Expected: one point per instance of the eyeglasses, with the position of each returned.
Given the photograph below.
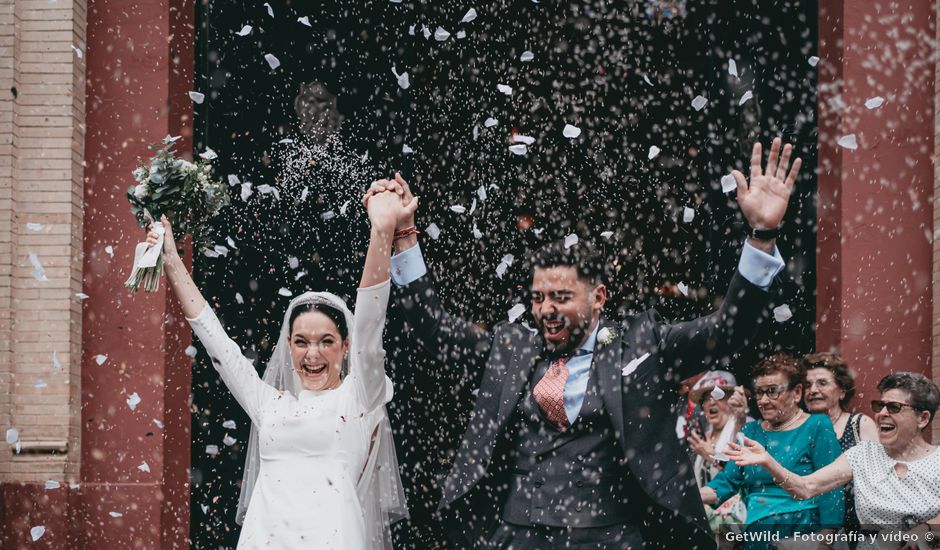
(893, 407)
(772, 392)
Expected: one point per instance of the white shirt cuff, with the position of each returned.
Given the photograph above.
(758, 267)
(408, 266)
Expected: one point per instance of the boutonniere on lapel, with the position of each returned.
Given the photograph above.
(606, 337)
(632, 365)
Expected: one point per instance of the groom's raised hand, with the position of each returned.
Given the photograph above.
(764, 200)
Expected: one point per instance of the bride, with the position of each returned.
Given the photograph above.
(321, 470)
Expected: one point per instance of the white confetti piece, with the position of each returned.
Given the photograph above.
(504, 89)
(515, 312)
(158, 423)
(293, 262)
(490, 122)
(233, 180)
(745, 98)
(481, 192)
(607, 234)
(270, 9)
(144, 467)
(328, 215)
(683, 288)
(519, 149)
(238, 298)
(34, 226)
(571, 240)
(343, 208)
(229, 440)
(728, 183)
(81, 296)
(230, 242)
(848, 141)
(284, 292)
(874, 102)
(246, 190)
(477, 234)
(229, 424)
(458, 208)
(133, 401)
(205, 509)
(406, 150)
(305, 20)
(433, 231)
(813, 61)
(37, 532)
(13, 435)
(303, 194)
(273, 61)
(717, 393)
(470, 16)
(197, 97)
(55, 360)
(526, 56)
(116, 514)
(654, 152)
(699, 103)
(570, 131)
(246, 30)
(404, 81)
(100, 359)
(78, 51)
(190, 351)
(109, 250)
(519, 138)
(52, 484)
(209, 154)
(441, 34)
(732, 67)
(461, 34)
(40, 383)
(473, 207)
(212, 450)
(782, 313)
(39, 273)
(647, 80)
(501, 270)
(688, 214)
(426, 32)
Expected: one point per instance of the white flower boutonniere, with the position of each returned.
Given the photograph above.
(606, 336)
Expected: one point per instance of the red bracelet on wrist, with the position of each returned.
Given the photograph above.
(405, 233)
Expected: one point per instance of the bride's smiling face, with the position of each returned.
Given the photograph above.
(317, 350)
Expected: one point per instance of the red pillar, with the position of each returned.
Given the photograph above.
(139, 68)
(874, 254)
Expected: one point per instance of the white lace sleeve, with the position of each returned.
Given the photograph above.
(236, 371)
(367, 356)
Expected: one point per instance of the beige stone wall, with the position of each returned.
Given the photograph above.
(42, 47)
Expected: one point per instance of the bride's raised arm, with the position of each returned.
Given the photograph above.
(236, 371)
(367, 360)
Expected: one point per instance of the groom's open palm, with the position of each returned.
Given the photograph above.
(764, 201)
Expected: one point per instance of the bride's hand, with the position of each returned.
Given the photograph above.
(169, 243)
(386, 208)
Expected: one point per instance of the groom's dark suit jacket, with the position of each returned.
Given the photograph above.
(640, 405)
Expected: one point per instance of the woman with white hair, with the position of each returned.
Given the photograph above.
(321, 470)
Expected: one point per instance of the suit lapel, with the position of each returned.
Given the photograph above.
(518, 372)
(607, 363)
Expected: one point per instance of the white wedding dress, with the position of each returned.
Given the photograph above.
(313, 447)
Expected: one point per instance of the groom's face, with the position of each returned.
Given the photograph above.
(564, 306)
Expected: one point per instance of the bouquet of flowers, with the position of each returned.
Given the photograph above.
(183, 191)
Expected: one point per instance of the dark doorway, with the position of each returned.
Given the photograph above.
(624, 73)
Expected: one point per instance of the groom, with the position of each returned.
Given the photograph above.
(571, 441)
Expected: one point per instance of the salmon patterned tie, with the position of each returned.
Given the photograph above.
(549, 393)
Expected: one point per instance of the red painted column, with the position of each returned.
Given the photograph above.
(139, 68)
(874, 242)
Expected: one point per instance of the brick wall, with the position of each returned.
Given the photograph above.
(41, 173)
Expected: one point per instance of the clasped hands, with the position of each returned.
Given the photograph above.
(390, 204)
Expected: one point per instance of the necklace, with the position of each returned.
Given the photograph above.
(785, 425)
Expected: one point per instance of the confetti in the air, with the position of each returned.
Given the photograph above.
(246, 30)
(688, 214)
(34, 226)
(433, 231)
(100, 359)
(874, 102)
(570, 131)
(503, 88)
(470, 16)
(717, 393)
(39, 273)
(732, 67)
(526, 56)
(144, 467)
(683, 288)
(305, 20)
(269, 8)
(228, 440)
(273, 61)
(699, 103)
(848, 142)
(490, 122)
(37, 532)
(571, 240)
(229, 424)
(518, 149)
(133, 400)
(197, 97)
(515, 312)
(782, 313)
(653, 153)
(441, 34)
(728, 183)
(744, 98)
(813, 60)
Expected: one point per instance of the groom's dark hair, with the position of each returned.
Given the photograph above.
(582, 255)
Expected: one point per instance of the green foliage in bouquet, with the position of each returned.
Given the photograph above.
(184, 192)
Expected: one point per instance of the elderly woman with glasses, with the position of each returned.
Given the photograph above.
(802, 442)
(897, 479)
